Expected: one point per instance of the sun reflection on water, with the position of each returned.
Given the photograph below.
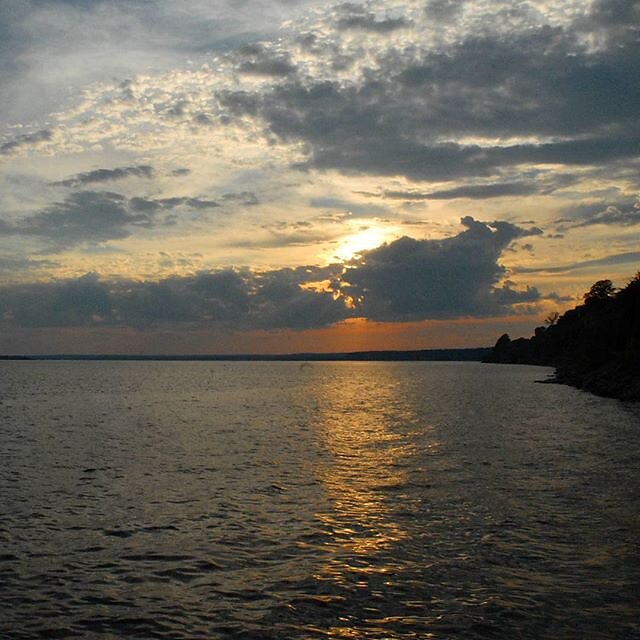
(369, 445)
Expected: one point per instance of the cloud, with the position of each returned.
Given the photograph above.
(285, 234)
(236, 299)
(246, 198)
(260, 61)
(523, 89)
(444, 10)
(143, 204)
(347, 130)
(500, 86)
(105, 175)
(625, 213)
(17, 265)
(357, 209)
(473, 100)
(282, 303)
(49, 49)
(608, 261)
(87, 215)
(544, 184)
(614, 215)
(227, 293)
(610, 19)
(99, 216)
(416, 279)
(26, 140)
(355, 16)
(80, 302)
(475, 192)
(404, 280)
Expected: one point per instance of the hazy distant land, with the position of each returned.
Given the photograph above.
(432, 355)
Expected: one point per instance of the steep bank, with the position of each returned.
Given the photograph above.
(595, 346)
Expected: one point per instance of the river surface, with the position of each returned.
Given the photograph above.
(326, 500)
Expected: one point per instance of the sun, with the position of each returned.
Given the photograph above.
(351, 245)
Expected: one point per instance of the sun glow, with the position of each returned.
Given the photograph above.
(364, 240)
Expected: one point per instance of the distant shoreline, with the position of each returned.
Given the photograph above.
(426, 355)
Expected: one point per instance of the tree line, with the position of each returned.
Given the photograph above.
(595, 346)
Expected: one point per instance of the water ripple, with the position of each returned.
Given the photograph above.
(371, 500)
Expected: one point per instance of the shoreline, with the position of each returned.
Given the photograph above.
(473, 354)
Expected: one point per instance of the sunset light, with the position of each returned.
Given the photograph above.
(353, 245)
(320, 319)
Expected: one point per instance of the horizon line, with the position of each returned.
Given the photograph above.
(444, 354)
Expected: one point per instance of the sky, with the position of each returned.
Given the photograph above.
(225, 176)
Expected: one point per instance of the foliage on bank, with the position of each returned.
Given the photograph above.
(595, 346)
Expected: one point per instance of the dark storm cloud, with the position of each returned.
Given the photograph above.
(227, 293)
(87, 215)
(411, 110)
(99, 216)
(345, 130)
(69, 303)
(401, 281)
(415, 279)
(282, 304)
(26, 140)
(237, 299)
(105, 175)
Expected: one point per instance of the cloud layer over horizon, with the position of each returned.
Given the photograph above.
(405, 280)
(254, 144)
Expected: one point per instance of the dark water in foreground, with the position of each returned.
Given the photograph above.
(347, 500)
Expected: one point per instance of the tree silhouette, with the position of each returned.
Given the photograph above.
(552, 318)
(595, 346)
(600, 290)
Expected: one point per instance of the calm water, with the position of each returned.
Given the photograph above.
(347, 500)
